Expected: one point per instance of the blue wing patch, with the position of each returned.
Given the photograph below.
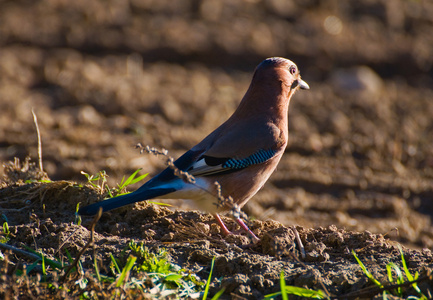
(254, 159)
(208, 165)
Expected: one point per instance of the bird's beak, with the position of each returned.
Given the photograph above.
(303, 85)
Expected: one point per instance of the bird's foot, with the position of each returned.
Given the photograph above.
(243, 226)
(250, 234)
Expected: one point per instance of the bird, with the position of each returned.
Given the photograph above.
(240, 154)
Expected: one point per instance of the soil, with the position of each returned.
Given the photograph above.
(103, 76)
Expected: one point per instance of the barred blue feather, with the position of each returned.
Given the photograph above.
(257, 158)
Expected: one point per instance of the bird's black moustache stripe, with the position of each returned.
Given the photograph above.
(294, 84)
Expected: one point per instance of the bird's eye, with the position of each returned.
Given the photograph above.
(292, 70)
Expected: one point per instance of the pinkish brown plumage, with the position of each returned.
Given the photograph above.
(241, 154)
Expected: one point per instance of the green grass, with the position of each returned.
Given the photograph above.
(6, 234)
(165, 276)
(397, 278)
(129, 181)
(206, 289)
(135, 270)
(286, 290)
(99, 181)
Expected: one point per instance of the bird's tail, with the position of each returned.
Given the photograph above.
(109, 204)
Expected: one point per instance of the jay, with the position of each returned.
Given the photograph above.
(240, 154)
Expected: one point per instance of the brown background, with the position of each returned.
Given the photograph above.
(104, 75)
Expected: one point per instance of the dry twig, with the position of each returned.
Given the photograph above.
(35, 120)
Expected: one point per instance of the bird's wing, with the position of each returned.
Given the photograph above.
(237, 148)
(208, 165)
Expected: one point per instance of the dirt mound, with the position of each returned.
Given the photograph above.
(43, 218)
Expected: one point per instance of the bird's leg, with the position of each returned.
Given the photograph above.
(249, 232)
(241, 223)
(223, 226)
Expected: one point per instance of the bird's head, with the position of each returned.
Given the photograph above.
(274, 82)
(278, 69)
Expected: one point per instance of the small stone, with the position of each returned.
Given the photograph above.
(168, 237)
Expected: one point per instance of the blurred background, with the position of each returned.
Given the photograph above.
(102, 76)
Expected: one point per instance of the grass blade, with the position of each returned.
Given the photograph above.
(140, 178)
(206, 290)
(130, 178)
(125, 272)
(173, 277)
(113, 260)
(366, 272)
(271, 296)
(159, 203)
(283, 286)
(44, 269)
(392, 266)
(95, 262)
(303, 292)
(408, 275)
(32, 266)
(298, 291)
(218, 294)
(51, 263)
